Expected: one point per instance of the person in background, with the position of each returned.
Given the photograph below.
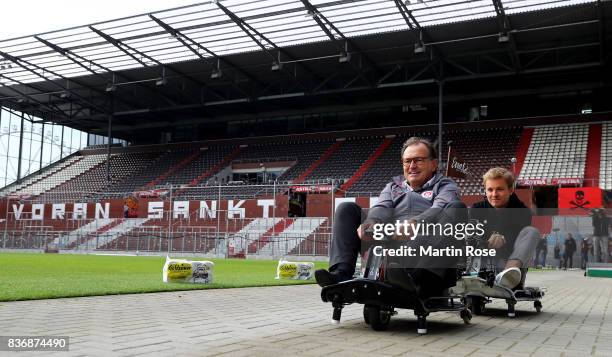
(584, 253)
(558, 254)
(569, 250)
(541, 249)
(601, 234)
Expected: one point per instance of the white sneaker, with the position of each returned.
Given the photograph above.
(508, 278)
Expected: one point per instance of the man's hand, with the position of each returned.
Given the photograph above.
(365, 231)
(496, 241)
(408, 234)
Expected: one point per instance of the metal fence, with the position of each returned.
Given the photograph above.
(227, 232)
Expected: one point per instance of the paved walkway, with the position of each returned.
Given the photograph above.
(292, 320)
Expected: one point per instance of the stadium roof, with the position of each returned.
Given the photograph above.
(209, 30)
(189, 59)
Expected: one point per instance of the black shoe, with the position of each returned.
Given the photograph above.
(399, 277)
(325, 278)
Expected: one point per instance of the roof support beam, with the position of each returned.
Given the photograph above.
(192, 45)
(22, 63)
(421, 40)
(324, 23)
(412, 23)
(68, 54)
(602, 33)
(80, 60)
(251, 32)
(506, 34)
(497, 63)
(53, 108)
(120, 45)
(457, 65)
(124, 48)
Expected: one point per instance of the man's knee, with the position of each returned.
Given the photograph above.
(348, 208)
(454, 212)
(456, 204)
(531, 233)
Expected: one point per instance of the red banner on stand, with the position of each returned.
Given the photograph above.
(579, 200)
(531, 182)
(566, 181)
(313, 188)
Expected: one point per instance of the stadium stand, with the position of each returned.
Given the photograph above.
(106, 235)
(550, 151)
(467, 143)
(365, 166)
(279, 227)
(64, 174)
(47, 171)
(306, 155)
(153, 173)
(553, 152)
(593, 156)
(248, 237)
(84, 233)
(556, 151)
(382, 170)
(94, 181)
(346, 159)
(523, 148)
(294, 233)
(304, 152)
(605, 176)
(483, 149)
(209, 162)
(317, 243)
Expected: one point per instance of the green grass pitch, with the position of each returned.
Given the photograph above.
(45, 276)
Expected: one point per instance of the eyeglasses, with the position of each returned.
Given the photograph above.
(416, 160)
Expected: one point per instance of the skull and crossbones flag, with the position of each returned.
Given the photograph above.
(579, 200)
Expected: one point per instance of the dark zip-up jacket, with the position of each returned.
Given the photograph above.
(508, 221)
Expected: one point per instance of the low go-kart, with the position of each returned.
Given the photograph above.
(477, 286)
(380, 298)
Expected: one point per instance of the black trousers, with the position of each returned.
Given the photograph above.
(569, 258)
(346, 245)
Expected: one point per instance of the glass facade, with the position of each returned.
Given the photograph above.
(41, 144)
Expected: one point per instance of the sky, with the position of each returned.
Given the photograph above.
(29, 17)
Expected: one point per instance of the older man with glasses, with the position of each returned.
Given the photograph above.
(421, 195)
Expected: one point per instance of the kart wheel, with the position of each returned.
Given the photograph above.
(479, 306)
(366, 316)
(378, 320)
(466, 315)
(475, 304)
(511, 310)
(538, 305)
(421, 325)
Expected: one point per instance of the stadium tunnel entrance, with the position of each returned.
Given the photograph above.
(546, 199)
(297, 204)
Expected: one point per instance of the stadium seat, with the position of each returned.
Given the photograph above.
(556, 151)
(605, 172)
